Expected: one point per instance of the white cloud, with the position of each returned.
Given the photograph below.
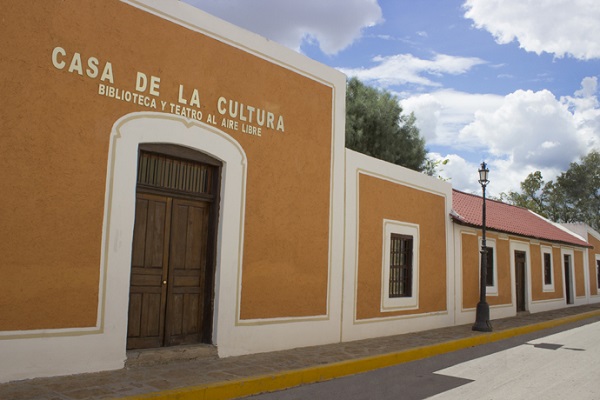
(559, 27)
(402, 69)
(525, 121)
(586, 111)
(520, 133)
(503, 176)
(442, 114)
(333, 24)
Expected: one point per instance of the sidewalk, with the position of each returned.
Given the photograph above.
(208, 377)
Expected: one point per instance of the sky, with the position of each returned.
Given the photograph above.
(513, 83)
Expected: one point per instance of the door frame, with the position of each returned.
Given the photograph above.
(517, 278)
(193, 155)
(570, 295)
(205, 285)
(149, 127)
(523, 247)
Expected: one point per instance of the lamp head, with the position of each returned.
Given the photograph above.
(483, 174)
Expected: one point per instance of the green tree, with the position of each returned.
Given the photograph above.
(532, 195)
(581, 186)
(573, 197)
(375, 126)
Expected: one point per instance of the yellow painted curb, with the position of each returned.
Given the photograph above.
(283, 380)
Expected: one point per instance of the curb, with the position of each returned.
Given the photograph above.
(287, 379)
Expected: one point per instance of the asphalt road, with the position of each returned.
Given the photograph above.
(560, 363)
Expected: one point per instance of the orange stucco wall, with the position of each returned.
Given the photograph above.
(579, 274)
(504, 283)
(380, 199)
(537, 273)
(54, 144)
(593, 263)
(471, 265)
(470, 269)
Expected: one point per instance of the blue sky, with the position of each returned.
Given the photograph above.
(511, 82)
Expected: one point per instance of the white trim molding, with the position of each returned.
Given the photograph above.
(597, 277)
(399, 303)
(353, 329)
(524, 247)
(547, 287)
(571, 254)
(491, 243)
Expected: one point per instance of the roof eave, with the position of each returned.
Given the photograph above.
(478, 226)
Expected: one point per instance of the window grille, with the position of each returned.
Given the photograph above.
(401, 256)
(547, 269)
(489, 272)
(163, 172)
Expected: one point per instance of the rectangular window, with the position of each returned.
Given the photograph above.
(547, 269)
(399, 266)
(401, 256)
(489, 271)
(598, 272)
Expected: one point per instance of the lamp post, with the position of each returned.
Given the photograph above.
(482, 318)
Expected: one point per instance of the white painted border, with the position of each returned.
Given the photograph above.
(586, 277)
(461, 316)
(231, 335)
(75, 353)
(400, 303)
(199, 21)
(515, 245)
(597, 269)
(258, 335)
(131, 131)
(490, 290)
(543, 250)
(353, 329)
(568, 252)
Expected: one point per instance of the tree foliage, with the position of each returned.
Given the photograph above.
(375, 126)
(573, 197)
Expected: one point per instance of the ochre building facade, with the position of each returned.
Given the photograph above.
(170, 179)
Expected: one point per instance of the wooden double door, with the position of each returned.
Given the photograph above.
(171, 276)
(172, 264)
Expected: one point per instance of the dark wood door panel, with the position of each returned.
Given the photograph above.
(187, 270)
(172, 263)
(149, 271)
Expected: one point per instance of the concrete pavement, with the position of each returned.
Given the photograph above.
(197, 373)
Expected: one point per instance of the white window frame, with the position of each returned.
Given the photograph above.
(597, 267)
(399, 303)
(490, 290)
(545, 287)
(571, 253)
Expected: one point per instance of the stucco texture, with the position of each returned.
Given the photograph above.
(471, 266)
(381, 199)
(537, 274)
(54, 147)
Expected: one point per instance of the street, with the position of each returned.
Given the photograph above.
(562, 364)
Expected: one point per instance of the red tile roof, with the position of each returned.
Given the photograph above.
(505, 218)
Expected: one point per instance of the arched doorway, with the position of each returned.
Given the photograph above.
(171, 298)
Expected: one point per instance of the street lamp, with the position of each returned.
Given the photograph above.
(482, 318)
